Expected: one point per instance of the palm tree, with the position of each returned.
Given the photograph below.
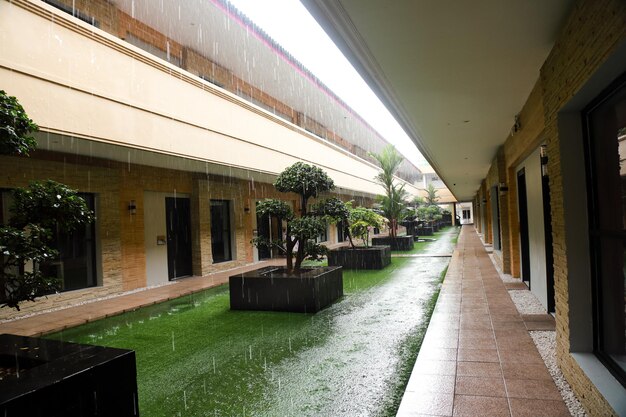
(431, 197)
(392, 203)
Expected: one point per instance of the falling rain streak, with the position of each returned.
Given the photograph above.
(342, 361)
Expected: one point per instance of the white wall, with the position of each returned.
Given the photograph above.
(536, 231)
(459, 212)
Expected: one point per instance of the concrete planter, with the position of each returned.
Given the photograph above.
(373, 257)
(308, 290)
(397, 243)
(425, 231)
(52, 378)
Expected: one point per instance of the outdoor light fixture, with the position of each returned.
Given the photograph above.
(544, 160)
(503, 188)
(132, 207)
(517, 125)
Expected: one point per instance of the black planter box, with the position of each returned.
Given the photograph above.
(373, 257)
(425, 231)
(397, 243)
(59, 379)
(273, 289)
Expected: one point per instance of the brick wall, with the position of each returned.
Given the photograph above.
(121, 234)
(590, 34)
(105, 184)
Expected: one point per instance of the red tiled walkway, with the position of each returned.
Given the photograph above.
(477, 358)
(45, 323)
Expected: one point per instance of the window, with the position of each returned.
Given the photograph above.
(75, 266)
(74, 12)
(154, 50)
(220, 231)
(605, 131)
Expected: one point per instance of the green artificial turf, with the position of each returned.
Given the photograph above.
(196, 357)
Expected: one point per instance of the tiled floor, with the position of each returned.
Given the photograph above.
(477, 358)
(61, 319)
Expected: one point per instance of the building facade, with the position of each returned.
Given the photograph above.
(170, 149)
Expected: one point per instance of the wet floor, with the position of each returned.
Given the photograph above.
(195, 357)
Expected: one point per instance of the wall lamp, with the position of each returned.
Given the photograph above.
(503, 188)
(544, 160)
(132, 207)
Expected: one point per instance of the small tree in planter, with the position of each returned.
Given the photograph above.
(38, 213)
(307, 181)
(392, 204)
(362, 221)
(295, 289)
(429, 214)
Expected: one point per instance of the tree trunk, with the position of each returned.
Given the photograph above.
(300, 255)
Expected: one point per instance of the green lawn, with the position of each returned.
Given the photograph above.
(195, 357)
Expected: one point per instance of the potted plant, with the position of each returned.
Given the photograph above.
(360, 222)
(294, 287)
(392, 204)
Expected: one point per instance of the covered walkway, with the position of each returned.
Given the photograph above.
(478, 358)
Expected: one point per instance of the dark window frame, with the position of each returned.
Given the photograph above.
(596, 232)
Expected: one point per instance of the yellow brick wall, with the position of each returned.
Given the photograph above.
(590, 34)
(121, 235)
(105, 184)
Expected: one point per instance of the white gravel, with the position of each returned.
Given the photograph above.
(546, 345)
(526, 302)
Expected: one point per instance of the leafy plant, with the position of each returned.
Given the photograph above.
(362, 221)
(393, 203)
(15, 127)
(307, 181)
(429, 213)
(39, 212)
(431, 195)
(27, 243)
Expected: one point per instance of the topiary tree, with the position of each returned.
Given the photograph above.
(307, 181)
(393, 203)
(38, 213)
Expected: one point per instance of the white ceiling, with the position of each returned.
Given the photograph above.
(454, 73)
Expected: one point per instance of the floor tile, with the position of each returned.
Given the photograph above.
(432, 404)
(434, 367)
(538, 408)
(539, 389)
(480, 369)
(525, 371)
(483, 386)
(431, 383)
(475, 406)
(478, 355)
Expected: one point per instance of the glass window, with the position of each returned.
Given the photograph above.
(606, 145)
(75, 267)
(220, 231)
